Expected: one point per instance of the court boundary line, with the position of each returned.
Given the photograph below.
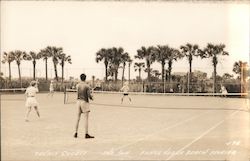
(202, 135)
(164, 129)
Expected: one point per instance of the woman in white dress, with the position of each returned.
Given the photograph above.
(223, 91)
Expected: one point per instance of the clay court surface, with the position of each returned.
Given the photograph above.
(149, 128)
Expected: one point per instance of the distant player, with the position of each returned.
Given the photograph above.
(51, 88)
(83, 96)
(223, 91)
(125, 90)
(31, 99)
(179, 88)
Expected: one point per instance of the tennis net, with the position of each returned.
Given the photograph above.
(12, 90)
(12, 94)
(70, 95)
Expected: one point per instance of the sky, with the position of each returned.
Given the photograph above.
(84, 27)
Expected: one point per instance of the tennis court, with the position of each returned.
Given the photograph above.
(148, 128)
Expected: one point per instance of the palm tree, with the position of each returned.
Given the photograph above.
(34, 57)
(64, 59)
(237, 68)
(9, 58)
(129, 65)
(190, 51)
(116, 59)
(18, 57)
(173, 55)
(162, 57)
(45, 55)
(54, 52)
(213, 51)
(139, 67)
(105, 55)
(124, 58)
(149, 55)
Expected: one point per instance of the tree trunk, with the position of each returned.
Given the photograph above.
(169, 71)
(190, 67)
(55, 68)
(169, 75)
(129, 72)
(123, 69)
(215, 62)
(148, 67)
(115, 75)
(116, 72)
(162, 71)
(139, 74)
(46, 69)
(106, 72)
(93, 82)
(62, 73)
(9, 72)
(19, 73)
(34, 70)
(214, 86)
(190, 75)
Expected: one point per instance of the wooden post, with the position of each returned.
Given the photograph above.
(93, 81)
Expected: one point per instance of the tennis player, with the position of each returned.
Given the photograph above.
(223, 91)
(125, 90)
(83, 96)
(31, 99)
(51, 88)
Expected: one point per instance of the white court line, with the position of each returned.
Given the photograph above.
(170, 127)
(199, 137)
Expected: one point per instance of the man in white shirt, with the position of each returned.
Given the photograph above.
(31, 99)
(125, 90)
(51, 89)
